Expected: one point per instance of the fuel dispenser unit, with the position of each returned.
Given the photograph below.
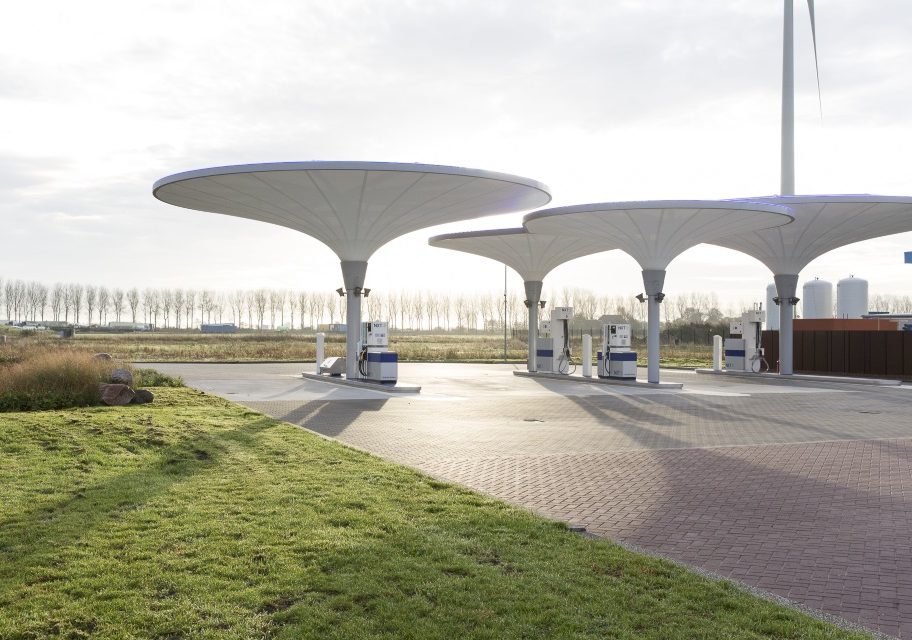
(745, 353)
(376, 363)
(616, 360)
(553, 353)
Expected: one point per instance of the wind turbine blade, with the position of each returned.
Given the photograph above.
(816, 64)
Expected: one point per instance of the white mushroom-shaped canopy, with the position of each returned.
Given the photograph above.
(353, 207)
(655, 232)
(531, 255)
(822, 223)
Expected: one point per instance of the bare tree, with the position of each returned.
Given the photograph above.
(133, 302)
(204, 304)
(117, 299)
(104, 303)
(178, 307)
(392, 306)
(417, 309)
(56, 301)
(447, 309)
(249, 303)
(237, 300)
(166, 296)
(91, 299)
(76, 294)
(274, 301)
(189, 306)
(303, 305)
(260, 302)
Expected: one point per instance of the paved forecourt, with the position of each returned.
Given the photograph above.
(797, 488)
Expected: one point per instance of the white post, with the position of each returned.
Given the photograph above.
(321, 351)
(587, 355)
(717, 353)
(787, 187)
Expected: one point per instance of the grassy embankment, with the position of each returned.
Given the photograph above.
(299, 346)
(193, 517)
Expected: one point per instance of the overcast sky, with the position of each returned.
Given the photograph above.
(601, 100)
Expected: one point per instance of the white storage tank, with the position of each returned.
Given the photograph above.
(772, 309)
(817, 299)
(851, 297)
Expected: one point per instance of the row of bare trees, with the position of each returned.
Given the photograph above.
(404, 309)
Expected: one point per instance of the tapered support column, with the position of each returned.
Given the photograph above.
(353, 274)
(786, 285)
(533, 298)
(787, 187)
(653, 280)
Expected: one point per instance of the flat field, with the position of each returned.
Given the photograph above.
(296, 346)
(196, 518)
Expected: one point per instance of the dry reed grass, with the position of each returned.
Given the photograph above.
(45, 378)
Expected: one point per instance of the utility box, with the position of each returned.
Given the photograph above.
(333, 366)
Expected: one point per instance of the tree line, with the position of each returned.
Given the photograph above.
(182, 308)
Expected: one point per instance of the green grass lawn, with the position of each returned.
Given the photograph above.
(195, 518)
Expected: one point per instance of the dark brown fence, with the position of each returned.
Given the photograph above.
(866, 353)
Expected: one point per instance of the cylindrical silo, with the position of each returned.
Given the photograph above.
(772, 309)
(817, 299)
(851, 297)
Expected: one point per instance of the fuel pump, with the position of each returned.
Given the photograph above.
(553, 353)
(376, 363)
(745, 353)
(616, 360)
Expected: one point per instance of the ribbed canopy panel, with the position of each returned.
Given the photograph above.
(655, 232)
(822, 223)
(352, 207)
(531, 255)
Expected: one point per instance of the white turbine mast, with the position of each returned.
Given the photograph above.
(787, 187)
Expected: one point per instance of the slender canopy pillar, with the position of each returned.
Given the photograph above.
(353, 274)
(533, 298)
(786, 287)
(653, 281)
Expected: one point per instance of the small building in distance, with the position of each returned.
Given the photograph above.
(332, 328)
(219, 328)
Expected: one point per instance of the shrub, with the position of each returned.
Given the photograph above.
(52, 380)
(153, 378)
